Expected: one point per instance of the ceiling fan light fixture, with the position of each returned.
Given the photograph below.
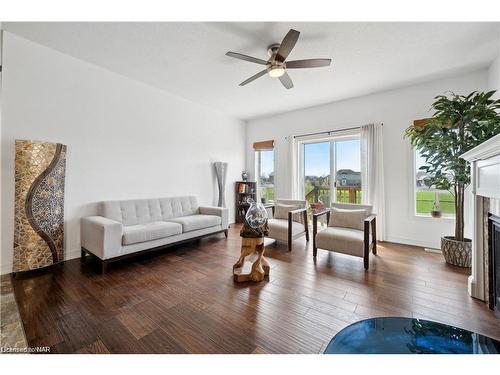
(277, 64)
(276, 71)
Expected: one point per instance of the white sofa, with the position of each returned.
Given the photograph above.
(126, 227)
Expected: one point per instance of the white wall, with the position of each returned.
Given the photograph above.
(396, 109)
(494, 74)
(125, 139)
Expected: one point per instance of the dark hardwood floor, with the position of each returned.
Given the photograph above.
(183, 300)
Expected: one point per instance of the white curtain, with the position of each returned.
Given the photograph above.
(293, 179)
(372, 173)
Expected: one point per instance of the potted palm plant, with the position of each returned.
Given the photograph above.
(459, 123)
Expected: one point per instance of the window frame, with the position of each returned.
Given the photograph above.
(413, 204)
(257, 164)
(339, 136)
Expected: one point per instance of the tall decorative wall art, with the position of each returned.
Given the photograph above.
(221, 173)
(39, 204)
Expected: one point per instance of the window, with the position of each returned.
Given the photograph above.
(264, 160)
(428, 198)
(334, 156)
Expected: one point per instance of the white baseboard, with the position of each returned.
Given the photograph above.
(412, 242)
(6, 269)
(72, 254)
(429, 250)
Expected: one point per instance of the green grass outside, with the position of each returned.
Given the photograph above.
(425, 201)
(267, 192)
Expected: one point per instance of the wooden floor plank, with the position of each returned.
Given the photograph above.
(183, 300)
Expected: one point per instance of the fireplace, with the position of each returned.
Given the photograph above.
(485, 193)
(494, 262)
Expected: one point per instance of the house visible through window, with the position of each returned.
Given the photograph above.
(427, 198)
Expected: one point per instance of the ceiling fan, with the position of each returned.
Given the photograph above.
(276, 66)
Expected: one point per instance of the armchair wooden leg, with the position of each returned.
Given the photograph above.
(366, 255)
(306, 226)
(374, 236)
(315, 231)
(225, 233)
(366, 245)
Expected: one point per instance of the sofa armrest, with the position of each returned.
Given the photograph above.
(101, 236)
(217, 211)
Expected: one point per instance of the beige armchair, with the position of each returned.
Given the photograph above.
(348, 231)
(289, 221)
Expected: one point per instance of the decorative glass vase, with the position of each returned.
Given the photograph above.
(256, 215)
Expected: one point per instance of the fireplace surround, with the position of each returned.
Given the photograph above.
(485, 187)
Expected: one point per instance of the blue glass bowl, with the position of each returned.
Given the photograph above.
(395, 335)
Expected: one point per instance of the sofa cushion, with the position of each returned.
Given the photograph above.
(141, 211)
(195, 222)
(278, 229)
(342, 240)
(149, 231)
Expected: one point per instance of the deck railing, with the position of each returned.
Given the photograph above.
(345, 194)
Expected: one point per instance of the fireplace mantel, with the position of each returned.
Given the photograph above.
(485, 182)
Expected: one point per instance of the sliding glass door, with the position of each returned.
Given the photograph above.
(330, 171)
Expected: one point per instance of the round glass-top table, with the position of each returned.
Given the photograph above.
(395, 335)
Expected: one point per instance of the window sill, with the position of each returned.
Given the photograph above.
(429, 217)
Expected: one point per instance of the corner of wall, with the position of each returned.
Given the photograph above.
(494, 71)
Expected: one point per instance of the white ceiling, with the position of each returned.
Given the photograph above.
(187, 59)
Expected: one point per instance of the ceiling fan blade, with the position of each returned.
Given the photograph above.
(286, 81)
(287, 45)
(254, 77)
(246, 58)
(308, 63)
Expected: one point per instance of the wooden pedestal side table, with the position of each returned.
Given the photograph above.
(257, 268)
(252, 235)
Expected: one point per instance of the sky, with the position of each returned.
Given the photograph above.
(419, 161)
(317, 157)
(267, 162)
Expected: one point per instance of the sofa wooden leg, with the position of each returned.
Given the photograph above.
(225, 233)
(104, 267)
(82, 255)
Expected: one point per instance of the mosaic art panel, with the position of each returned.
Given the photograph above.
(39, 204)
